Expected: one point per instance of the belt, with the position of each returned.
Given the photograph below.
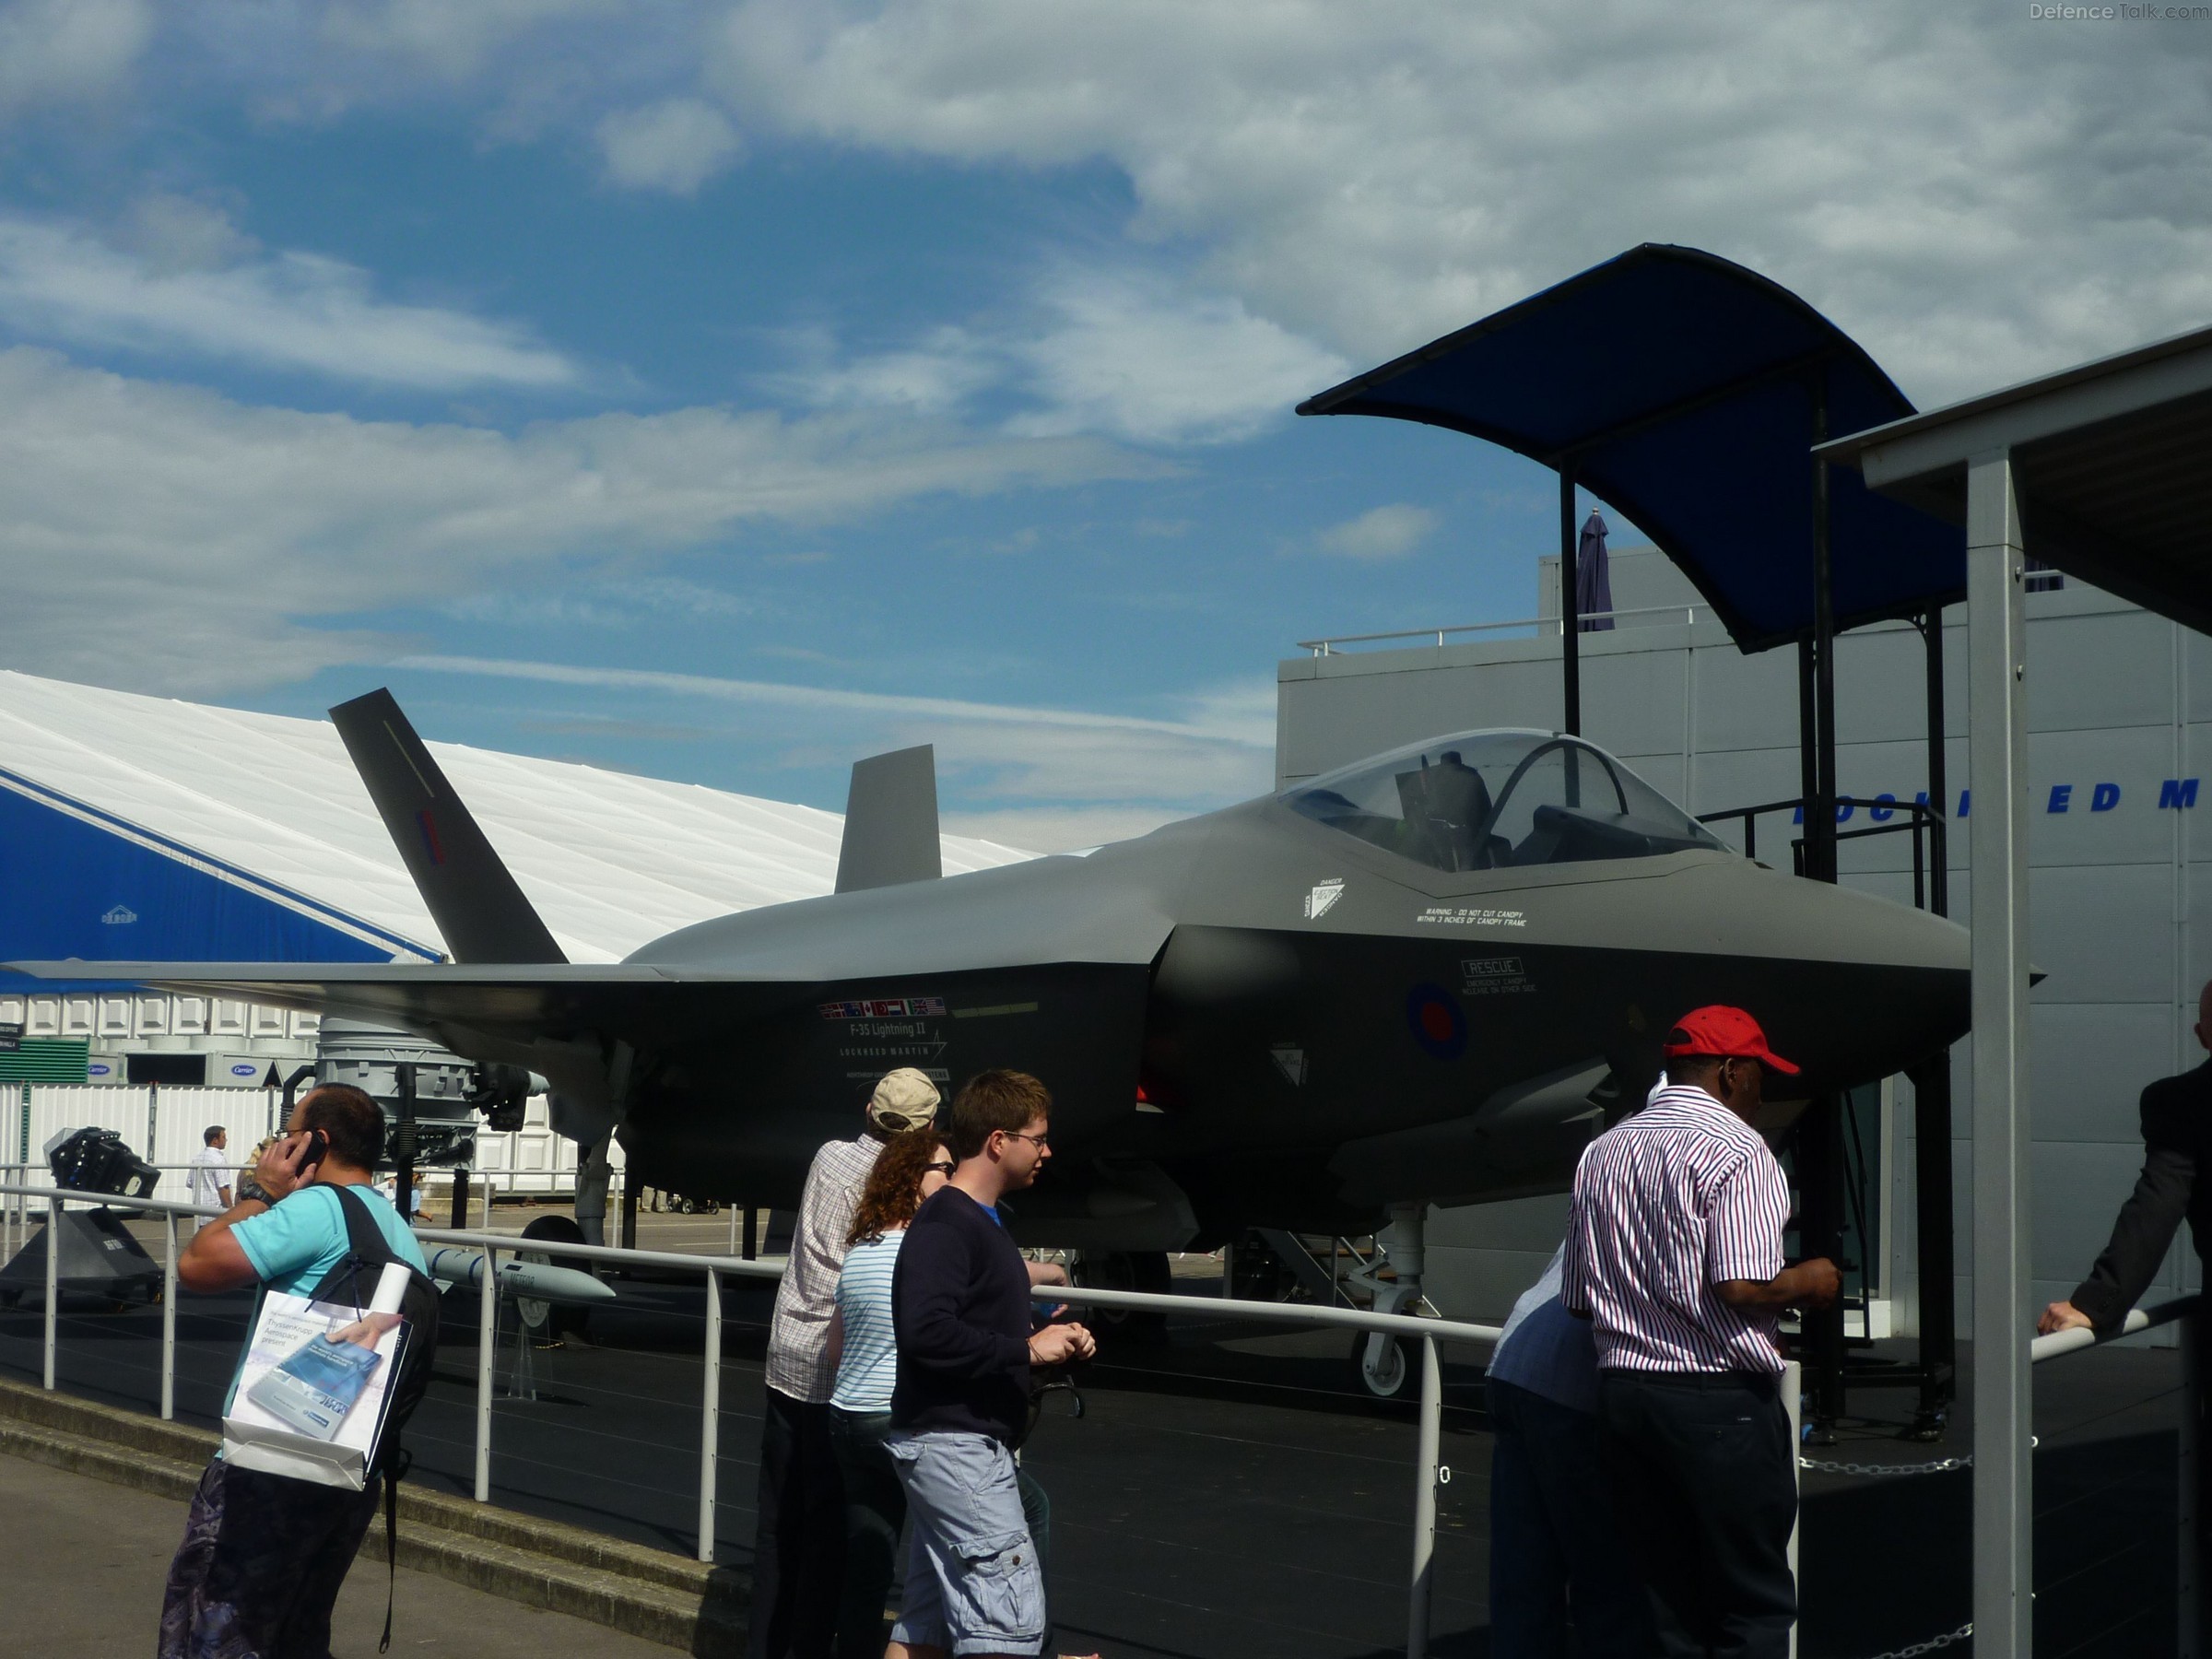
(1762, 1382)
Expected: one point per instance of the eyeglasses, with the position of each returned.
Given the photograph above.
(1044, 1142)
(945, 1168)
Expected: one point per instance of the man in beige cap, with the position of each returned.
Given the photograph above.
(798, 1551)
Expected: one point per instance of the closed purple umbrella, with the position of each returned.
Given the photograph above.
(1592, 581)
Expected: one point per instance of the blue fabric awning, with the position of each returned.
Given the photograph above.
(1679, 387)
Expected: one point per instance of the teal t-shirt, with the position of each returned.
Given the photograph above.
(292, 1245)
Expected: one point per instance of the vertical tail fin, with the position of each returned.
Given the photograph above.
(892, 821)
(471, 895)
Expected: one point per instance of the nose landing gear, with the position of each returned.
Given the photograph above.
(1386, 1365)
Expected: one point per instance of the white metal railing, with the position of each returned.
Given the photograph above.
(1429, 1472)
(1550, 625)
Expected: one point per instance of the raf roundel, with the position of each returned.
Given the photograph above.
(1437, 1024)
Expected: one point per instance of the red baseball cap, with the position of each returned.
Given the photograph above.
(1728, 1032)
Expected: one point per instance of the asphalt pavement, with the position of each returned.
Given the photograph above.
(82, 1573)
(1228, 1491)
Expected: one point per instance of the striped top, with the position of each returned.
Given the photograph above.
(1668, 1203)
(869, 1367)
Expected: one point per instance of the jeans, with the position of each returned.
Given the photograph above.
(799, 1549)
(1555, 1560)
(1699, 1465)
(875, 1512)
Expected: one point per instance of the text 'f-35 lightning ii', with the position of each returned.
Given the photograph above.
(1425, 977)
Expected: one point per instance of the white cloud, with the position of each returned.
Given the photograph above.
(1389, 532)
(1068, 777)
(62, 50)
(938, 375)
(451, 37)
(1140, 360)
(167, 537)
(171, 287)
(676, 145)
(1976, 196)
(1123, 352)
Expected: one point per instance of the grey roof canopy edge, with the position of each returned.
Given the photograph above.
(2155, 394)
(2102, 389)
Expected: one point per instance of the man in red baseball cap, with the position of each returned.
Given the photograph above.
(1674, 1253)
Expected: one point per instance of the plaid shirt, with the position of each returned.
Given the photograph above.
(798, 1333)
(1676, 1200)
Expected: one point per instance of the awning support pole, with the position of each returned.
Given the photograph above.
(1997, 776)
(1821, 1174)
(1938, 1321)
(1570, 618)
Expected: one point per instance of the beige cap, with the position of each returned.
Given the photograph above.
(904, 1100)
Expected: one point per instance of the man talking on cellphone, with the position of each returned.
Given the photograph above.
(264, 1554)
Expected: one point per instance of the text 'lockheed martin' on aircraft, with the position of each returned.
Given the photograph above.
(1426, 978)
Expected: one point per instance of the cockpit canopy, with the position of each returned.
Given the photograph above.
(1500, 800)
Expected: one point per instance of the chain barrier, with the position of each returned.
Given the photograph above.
(1933, 1644)
(1941, 1466)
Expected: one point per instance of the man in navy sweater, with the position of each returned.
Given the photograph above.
(960, 1308)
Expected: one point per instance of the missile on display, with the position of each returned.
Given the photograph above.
(462, 1267)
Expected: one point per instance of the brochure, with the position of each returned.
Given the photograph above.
(317, 1380)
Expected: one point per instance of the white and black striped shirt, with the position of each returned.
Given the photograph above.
(1667, 1204)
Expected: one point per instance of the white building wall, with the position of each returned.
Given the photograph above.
(2118, 898)
(166, 1125)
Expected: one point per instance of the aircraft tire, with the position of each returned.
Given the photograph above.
(547, 1322)
(1402, 1369)
(1142, 1270)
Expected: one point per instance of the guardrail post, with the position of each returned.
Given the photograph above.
(1793, 1401)
(487, 1315)
(169, 1315)
(53, 1285)
(2188, 1610)
(1424, 1502)
(709, 1418)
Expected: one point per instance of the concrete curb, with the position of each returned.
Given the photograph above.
(645, 1593)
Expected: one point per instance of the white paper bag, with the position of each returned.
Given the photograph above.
(315, 1386)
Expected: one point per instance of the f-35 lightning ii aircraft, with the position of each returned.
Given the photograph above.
(1426, 978)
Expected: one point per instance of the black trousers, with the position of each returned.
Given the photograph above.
(1704, 1492)
(799, 1547)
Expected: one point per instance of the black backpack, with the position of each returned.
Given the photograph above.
(353, 1282)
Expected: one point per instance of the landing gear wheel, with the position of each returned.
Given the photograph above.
(547, 1323)
(1393, 1373)
(1143, 1270)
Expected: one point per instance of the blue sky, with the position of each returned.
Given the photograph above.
(725, 391)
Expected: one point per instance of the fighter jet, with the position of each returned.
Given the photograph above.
(1429, 977)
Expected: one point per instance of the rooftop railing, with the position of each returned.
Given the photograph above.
(1687, 614)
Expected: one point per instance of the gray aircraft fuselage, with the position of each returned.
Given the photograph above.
(1415, 979)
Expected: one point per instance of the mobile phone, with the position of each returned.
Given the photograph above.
(318, 1147)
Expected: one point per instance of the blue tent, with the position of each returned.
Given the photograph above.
(1688, 392)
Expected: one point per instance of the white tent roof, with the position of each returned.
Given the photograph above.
(610, 860)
